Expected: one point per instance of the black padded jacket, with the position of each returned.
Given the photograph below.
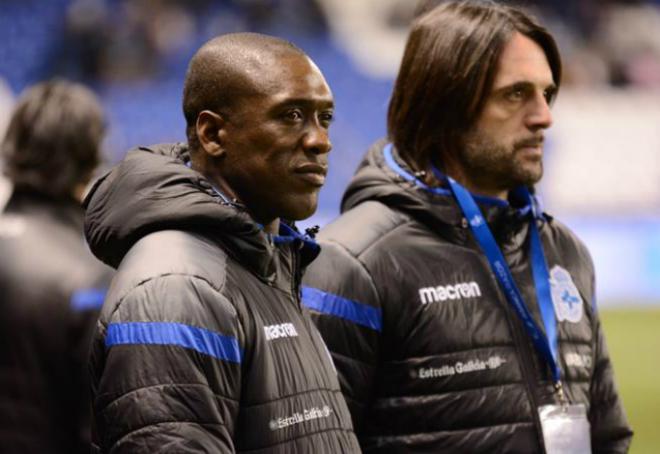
(51, 290)
(431, 357)
(203, 344)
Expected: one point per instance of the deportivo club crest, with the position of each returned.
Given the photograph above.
(565, 296)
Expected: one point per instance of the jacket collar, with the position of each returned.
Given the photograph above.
(153, 189)
(385, 177)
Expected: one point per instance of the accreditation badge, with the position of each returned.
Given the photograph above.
(565, 429)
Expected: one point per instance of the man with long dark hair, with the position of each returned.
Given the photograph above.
(51, 287)
(460, 316)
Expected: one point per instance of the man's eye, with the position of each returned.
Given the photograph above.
(326, 117)
(294, 115)
(515, 94)
(550, 95)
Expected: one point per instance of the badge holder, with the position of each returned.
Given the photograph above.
(565, 427)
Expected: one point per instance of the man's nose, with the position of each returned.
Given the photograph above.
(539, 115)
(317, 139)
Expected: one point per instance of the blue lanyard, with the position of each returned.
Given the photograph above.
(547, 345)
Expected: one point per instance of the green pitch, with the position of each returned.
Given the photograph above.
(633, 338)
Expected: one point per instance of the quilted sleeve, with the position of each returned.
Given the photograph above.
(166, 370)
(345, 307)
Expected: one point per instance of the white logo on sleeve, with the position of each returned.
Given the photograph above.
(449, 292)
(565, 296)
(279, 331)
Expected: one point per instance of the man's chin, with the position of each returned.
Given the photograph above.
(301, 209)
(528, 173)
(529, 180)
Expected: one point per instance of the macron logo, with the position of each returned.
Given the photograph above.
(449, 292)
(281, 330)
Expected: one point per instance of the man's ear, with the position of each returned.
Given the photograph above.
(210, 132)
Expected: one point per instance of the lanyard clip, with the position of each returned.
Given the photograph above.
(563, 400)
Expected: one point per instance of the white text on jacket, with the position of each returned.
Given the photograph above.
(281, 330)
(451, 292)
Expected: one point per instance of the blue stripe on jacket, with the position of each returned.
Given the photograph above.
(168, 333)
(88, 299)
(327, 303)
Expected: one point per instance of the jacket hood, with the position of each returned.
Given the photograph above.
(154, 189)
(383, 176)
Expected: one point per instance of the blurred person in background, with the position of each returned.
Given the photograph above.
(462, 318)
(203, 344)
(6, 108)
(51, 286)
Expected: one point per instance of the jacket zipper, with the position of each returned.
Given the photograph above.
(323, 356)
(524, 354)
(295, 278)
(295, 290)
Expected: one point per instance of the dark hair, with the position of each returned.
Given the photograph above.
(217, 75)
(448, 68)
(53, 140)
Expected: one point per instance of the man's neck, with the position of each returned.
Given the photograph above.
(457, 172)
(482, 190)
(79, 191)
(272, 226)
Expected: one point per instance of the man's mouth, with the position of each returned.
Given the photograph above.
(312, 173)
(535, 142)
(532, 146)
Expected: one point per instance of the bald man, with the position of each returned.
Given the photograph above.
(203, 345)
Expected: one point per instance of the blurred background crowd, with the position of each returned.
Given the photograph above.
(603, 154)
(602, 169)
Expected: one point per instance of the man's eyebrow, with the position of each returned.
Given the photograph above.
(327, 103)
(524, 84)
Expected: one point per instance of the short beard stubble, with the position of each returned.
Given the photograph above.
(493, 165)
